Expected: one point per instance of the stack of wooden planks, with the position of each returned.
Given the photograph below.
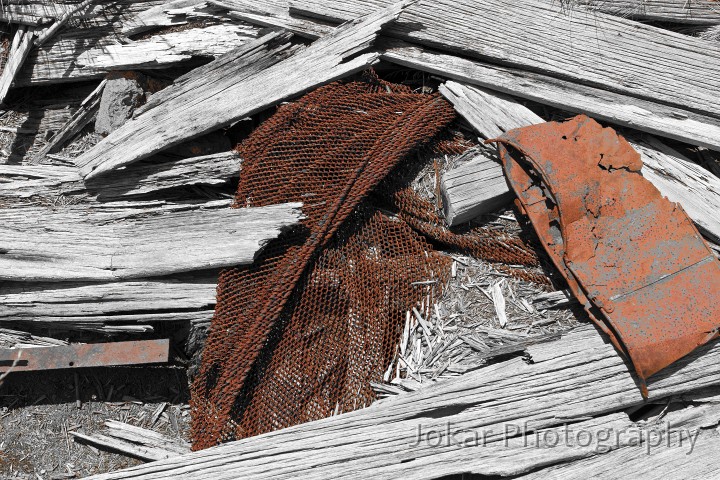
(101, 236)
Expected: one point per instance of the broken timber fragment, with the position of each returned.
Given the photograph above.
(474, 188)
(84, 355)
(632, 258)
(21, 45)
(569, 382)
(479, 186)
(224, 99)
(135, 441)
(77, 243)
(106, 306)
(27, 182)
(159, 16)
(491, 114)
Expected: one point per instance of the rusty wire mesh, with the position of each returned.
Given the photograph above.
(302, 332)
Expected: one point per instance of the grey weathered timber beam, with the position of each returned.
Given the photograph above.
(621, 109)
(558, 40)
(570, 380)
(695, 12)
(81, 243)
(224, 99)
(105, 306)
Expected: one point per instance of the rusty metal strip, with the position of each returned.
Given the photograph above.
(84, 355)
(631, 257)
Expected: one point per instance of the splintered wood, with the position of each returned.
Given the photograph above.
(78, 244)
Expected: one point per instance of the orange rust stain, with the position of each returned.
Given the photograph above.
(631, 257)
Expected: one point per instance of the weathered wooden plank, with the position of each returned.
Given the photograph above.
(677, 178)
(473, 188)
(164, 15)
(166, 49)
(617, 108)
(562, 41)
(81, 118)
(224, 100)
(21, 45)
(48, 182)
(105, 306)
(569, 380)
(479, 186)
(81, 243)
(32, 13)
(61, 21)
(695, 12)
(145, 178)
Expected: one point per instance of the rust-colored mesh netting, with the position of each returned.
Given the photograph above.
(305, 328)
(302, 332)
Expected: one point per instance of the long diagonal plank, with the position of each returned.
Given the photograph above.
(81, 243)
(566, 381)
(225, 99)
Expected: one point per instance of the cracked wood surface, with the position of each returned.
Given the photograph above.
(49, 182)
(103, 306)
(590, 48)
(224, 98)
(694, 12)
(621, 109)
(78, 243)
(571, 380)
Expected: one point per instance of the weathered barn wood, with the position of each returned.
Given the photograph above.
(570, 380)
(79, 120)
(163, 15)
(61, 21)
(78, 243)
(104, 306)
(135, 441)
(695, 12)
(474, 188)
(145, 178)
(590, 48)
(677, 178)
(48, 182)
(161, 50)
(240, 63)
(32, 13)
(224, 99)
(21, 45)
(479, 186)
(617, 108)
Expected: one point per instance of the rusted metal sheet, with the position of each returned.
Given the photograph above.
(84, 355)
(631, 257)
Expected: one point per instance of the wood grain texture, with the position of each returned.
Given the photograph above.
(163, 15)
(591, 48)
(479, 186)
(570, 380)
(224, 99)
(77, 243)
(19, 50)
(617, 108)
(693, 12)
(104, 306)
(32, 13)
